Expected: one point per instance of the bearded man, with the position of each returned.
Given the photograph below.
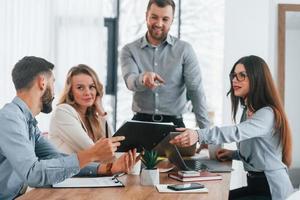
(163, 71)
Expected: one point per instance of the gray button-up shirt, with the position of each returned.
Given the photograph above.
(26, 157)
(259, 148)
(175, 61)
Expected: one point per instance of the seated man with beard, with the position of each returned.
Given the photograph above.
(27, 158)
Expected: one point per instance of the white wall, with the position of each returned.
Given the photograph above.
(250, 28)
(292, 94)
(246, 32)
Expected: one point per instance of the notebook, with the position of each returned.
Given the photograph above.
(204, 176)
(107, 181)
(142, 135)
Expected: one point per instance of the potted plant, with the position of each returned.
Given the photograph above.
(150, 174)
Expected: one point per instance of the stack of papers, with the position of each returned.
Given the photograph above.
(107, 181)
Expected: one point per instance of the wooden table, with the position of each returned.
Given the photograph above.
(218, 190)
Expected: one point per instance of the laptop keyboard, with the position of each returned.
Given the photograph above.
(195, 165)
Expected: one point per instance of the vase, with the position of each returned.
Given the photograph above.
(150, 176)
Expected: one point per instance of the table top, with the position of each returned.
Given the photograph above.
(218, 189)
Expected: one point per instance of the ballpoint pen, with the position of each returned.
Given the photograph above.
(119, 175)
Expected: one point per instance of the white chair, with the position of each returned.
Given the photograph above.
(294, 174)
(294, 196)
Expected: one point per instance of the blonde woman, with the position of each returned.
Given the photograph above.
(80, 120)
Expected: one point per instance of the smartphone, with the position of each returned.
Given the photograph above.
(186, 186)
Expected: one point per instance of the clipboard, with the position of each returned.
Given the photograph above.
(95, 182)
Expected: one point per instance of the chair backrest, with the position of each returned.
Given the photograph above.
(294, 174)
(294, 196)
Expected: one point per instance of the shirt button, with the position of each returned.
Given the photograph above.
(156, 110)
(156, 94)
(155, 64)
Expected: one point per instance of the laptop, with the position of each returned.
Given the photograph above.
(173, 154)
(183, 151)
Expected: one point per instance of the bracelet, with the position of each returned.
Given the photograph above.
(108, 169)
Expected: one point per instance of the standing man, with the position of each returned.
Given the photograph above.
(162, 71)
(26, 157)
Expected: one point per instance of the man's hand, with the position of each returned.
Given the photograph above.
(102, 151)
(152, 80)
(187, 138)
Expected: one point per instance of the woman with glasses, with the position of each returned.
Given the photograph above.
(263, 136)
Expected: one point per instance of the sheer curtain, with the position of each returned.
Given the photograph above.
(65, 32)
(24, 31)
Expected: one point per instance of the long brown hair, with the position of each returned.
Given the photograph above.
(262, 93)
(67, 97)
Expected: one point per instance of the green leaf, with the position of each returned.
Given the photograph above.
(150, 159)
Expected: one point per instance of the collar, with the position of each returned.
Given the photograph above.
(24, 108)
(145, 43)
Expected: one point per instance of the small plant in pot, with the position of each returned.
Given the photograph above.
(150, 174)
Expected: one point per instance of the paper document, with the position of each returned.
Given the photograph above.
(108, 181)
(163, 189)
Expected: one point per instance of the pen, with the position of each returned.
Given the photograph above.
(119, 175)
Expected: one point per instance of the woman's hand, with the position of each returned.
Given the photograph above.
(187, 138)
(224, 154)
(99, 107)
(126, 162)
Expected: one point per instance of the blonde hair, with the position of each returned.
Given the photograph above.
(68, 98)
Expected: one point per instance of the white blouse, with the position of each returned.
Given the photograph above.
(68, 132)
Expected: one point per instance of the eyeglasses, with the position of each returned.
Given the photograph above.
(241, 76)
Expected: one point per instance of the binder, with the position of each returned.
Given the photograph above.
(142, 135)
(95, 182)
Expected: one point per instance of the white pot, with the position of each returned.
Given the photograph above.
(149, 176)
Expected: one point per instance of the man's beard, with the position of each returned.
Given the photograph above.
(47, 100)
(161, 37)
